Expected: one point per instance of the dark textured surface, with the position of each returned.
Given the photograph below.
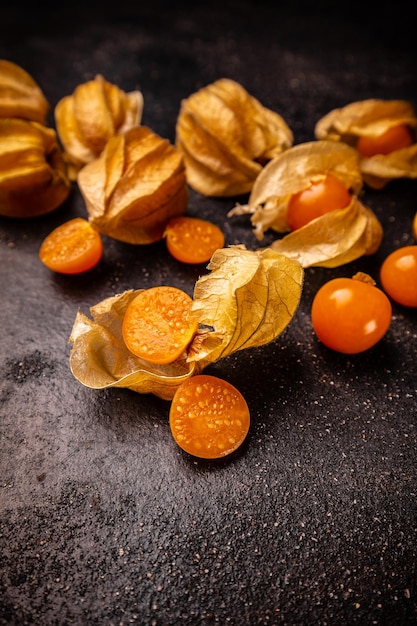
(103, 519)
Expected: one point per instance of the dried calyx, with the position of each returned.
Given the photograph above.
(33, 179)
(135, 187)
(370, 119)
(227, 136)
(331, 240)
(20, 96)
(96, 111)
(247, 300)
(33, 175)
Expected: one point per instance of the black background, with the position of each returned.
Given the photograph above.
(103, 519)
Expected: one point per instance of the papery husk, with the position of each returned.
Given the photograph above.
(33, 179)
(20, 95)
(99, 358)
(290, 173)
(334, 239)
(379, 170)
(371, 118)
(331, 240)
(135, 187)
(86, 120)
(247, 300)
(227, 136)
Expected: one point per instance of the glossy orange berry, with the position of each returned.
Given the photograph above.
(399, 275)
(350, 315)
(321, 196)
(395, 138)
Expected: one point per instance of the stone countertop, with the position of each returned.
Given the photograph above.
(103, 520)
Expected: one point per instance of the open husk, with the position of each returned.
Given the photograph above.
(330, 240)
(86, 120)
(99, 358)
(135, 187)
(334, 239)
(247, 300)
(371, 118)
(226, 136)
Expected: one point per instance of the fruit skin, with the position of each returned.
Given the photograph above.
(398, 275)
(350, 315)
(322, 196)
(395, 138)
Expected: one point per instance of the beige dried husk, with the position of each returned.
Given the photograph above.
(135, 187)
(86, 120)
(331, 240)
(227, 136)
(247, 300)
(33, 179)
(371, 118)
(20, 95)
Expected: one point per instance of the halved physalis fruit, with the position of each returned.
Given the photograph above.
(209, 417)
(156, 325)
(72, 248)
(193, 240)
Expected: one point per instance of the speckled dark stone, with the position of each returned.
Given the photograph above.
(104, 521)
